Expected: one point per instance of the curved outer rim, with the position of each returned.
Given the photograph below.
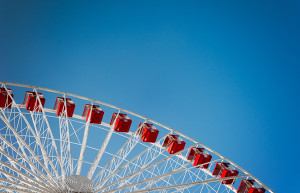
(140, 116)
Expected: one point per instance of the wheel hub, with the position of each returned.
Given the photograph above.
(79, 184)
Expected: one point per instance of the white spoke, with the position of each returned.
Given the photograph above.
(15, 189)
(161, 177)
(24, 158)
(36, 180)
(83, 145)
(36, 136)
(30, 184)
(154, 154)
(102, 149)
(18, 185)
(49, 132)
(23, 144)
(65, 153)
(187, 184)
(119, 157)
(135, 173)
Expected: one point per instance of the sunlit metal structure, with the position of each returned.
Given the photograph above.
(104, 149)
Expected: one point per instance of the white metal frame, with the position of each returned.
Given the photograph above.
(32, 161)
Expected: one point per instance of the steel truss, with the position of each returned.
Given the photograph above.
(39, 150)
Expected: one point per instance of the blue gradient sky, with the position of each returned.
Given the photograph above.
(225, 73)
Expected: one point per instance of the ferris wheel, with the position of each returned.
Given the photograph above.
(53, 141)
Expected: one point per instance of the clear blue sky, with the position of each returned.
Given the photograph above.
(226, 73)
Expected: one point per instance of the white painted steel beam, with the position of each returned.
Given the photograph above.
(184, 185)
(22, 143)
(14, 189)
(102, 149)
(122, 153)
(30, 184)
(158, 178)
(36, 180)
(18, 185)
(37, 138)
(49, 131)
(24, 157)
(149, 166)
(83, 146)
(103, 181)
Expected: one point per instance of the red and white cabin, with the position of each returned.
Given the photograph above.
(94, 113)
(122, 123)
(224, 169)
(199, 156)
(250, 186)
(5, 99)
(60, 105)
(31, 101)
(148, 133)
(173, 143)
